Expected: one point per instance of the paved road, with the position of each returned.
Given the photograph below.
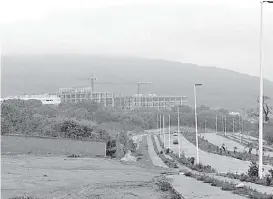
(222, 164)
(190, 188)
(260, 188)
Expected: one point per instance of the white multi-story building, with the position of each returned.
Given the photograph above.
(74, 95)
(47, 99)
(150, 101)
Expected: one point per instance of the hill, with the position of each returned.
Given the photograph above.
(46, 73)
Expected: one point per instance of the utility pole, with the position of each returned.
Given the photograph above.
(223, 123)
(178, 130)
(216, 124)
(242, 125)
(225, 126)
(169, 131)
(261, 95)
(233, 124)
(239, 123)
(205, 126)
(164, 131)
(157, 122)
(196, 129)
(160, 125)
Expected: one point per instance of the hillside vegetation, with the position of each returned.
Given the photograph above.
(94, 121)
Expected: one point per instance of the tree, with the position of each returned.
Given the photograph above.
(266, 109)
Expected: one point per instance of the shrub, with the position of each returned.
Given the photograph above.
(268, 180)
(167, 151)
(188, 174)
(253, 170)
(227, 187)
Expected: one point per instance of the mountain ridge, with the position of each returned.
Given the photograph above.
(46, 73)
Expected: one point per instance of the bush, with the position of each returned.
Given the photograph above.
(253, 170)
(188, 174)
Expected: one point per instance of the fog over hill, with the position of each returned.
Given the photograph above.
(46, 73)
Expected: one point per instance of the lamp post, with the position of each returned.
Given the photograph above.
(196, 131)
(169, 131)
(178, 131)
(223, 123)
(216, 129)
(225, 126)
(164, 131)
(261, 96)
(157, 122)
(160, 125)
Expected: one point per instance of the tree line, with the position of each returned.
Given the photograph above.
(78, 120)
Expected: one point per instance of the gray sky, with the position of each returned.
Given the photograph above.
(222, 33)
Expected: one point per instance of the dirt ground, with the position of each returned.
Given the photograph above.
(62, 177)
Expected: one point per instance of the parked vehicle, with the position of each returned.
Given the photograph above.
(175, 142)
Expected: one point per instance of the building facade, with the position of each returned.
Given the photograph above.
(150, 101)
(75, 95)
(46, 99)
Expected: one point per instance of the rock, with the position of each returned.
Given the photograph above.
(240, 185)
(129, 157)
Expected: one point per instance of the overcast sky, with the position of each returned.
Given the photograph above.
(222, 33)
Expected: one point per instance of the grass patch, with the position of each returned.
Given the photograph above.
(165, 186)
(189, 162)
(252, 176)
(24, 197)
(170, 163)
(205, 145)
(226, 186)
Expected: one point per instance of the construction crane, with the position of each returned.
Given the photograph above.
(138, 86)
(91, 80)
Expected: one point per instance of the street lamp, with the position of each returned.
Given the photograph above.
(169, 131)
(160, 125)
(196, 132)
(261, 97)
(164, 131)
(178, 131)
(216, 129)
(225, 126)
